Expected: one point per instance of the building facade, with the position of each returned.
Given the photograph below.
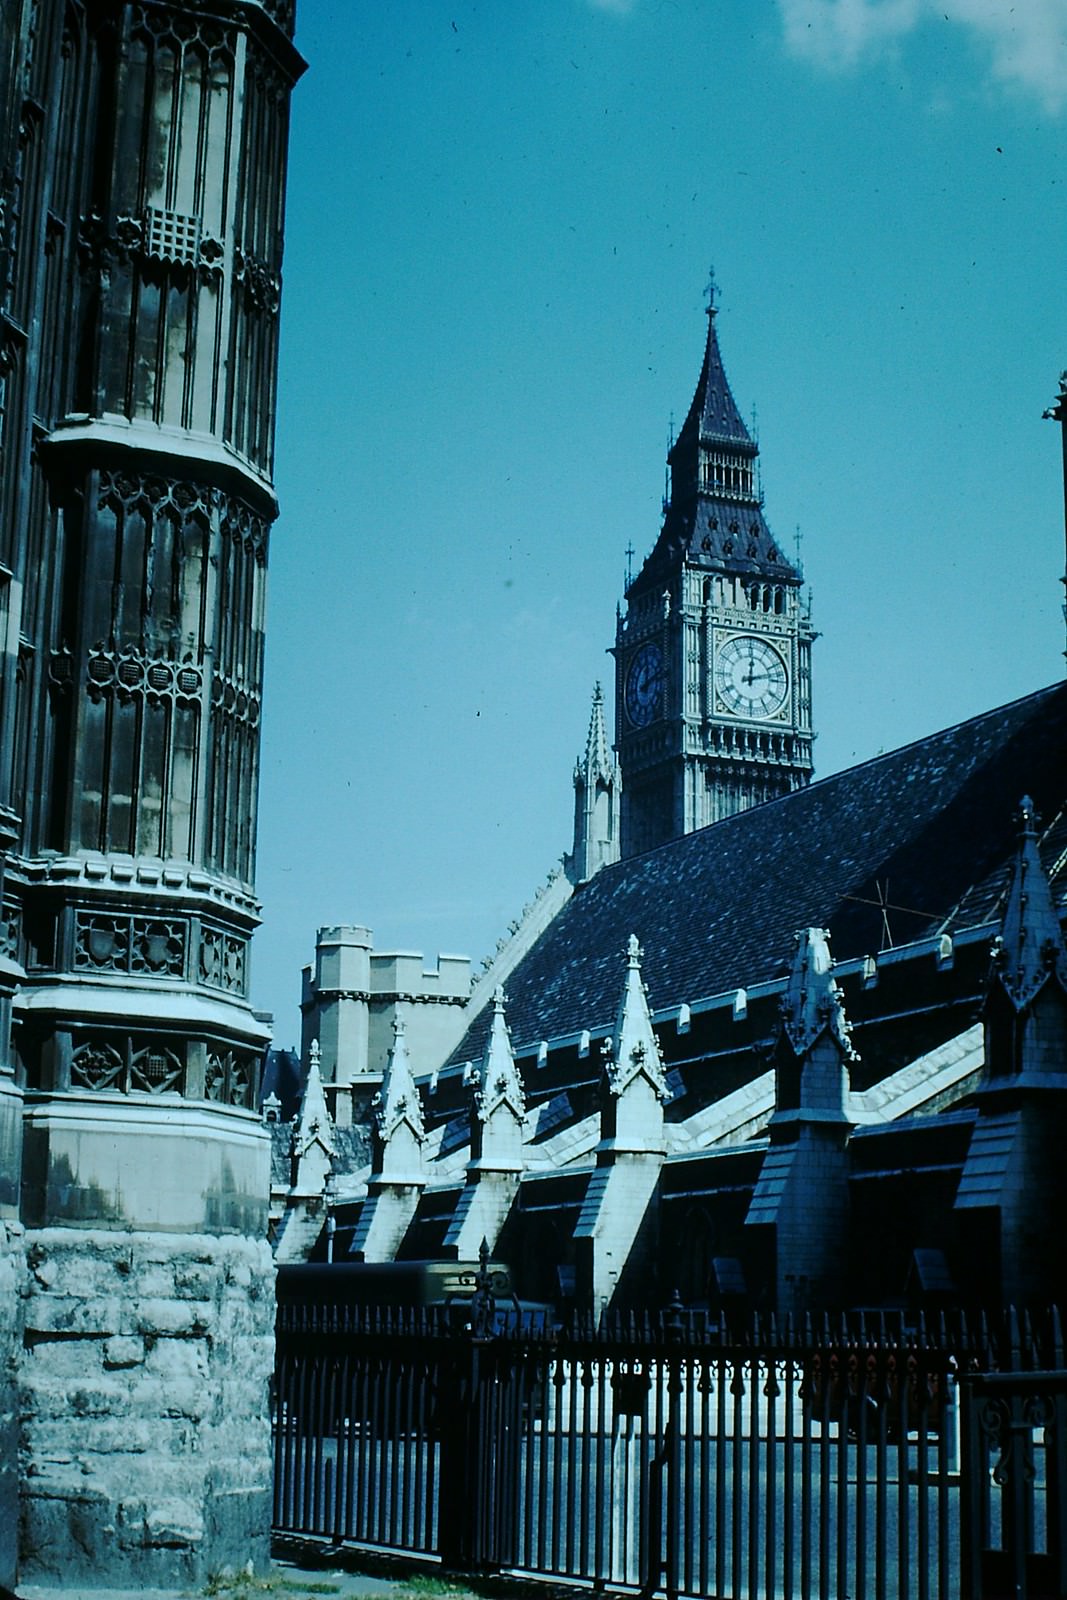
(713, 652)
(814, 1054)
(143, 186)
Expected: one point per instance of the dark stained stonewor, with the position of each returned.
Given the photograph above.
(142, 186)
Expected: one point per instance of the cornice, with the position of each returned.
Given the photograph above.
(191, 455)
(121, 877)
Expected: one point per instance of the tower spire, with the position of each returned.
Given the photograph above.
(597, 787)
(704, 732)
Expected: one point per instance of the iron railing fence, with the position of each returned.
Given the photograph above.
(857, 1456)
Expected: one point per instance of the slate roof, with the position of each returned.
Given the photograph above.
(928, 829)
(713, 412)
(717, 531)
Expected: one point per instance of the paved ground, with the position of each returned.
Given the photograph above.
(287, 1580)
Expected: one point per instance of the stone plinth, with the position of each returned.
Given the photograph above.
(144, 1392)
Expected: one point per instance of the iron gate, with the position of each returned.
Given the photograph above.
(656, 1454)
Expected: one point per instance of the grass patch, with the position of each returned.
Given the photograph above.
(243, 1587)
(425, 1587)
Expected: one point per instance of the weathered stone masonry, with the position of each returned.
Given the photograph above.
(142, 186)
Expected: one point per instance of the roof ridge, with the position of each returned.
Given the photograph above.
(833, 777)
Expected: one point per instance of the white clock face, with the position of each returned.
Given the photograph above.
(751, 678)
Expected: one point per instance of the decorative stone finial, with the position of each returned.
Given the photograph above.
(811, 1005)
(634, 1049)
(313, 1125)
(1030, 949)
(500, 1083)
(397, 1101)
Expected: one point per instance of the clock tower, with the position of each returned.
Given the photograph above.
(713, 653)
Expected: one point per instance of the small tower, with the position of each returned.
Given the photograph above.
(802, 1190)
(597, 787)
(498, 1116)
(713, 655)
(618, 1208)
(397, 1176)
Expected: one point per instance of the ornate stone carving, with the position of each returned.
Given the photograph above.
(146, 947)
(178, 27)
(96, 1065)
(231, 696)
(122, 1065)
(231, 1078)
(155, 1069)
(11, 932)
(223, 960)
(245, 528)
(262, 287)
(172, 237)
(131, 491)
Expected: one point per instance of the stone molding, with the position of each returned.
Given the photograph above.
(321, 997)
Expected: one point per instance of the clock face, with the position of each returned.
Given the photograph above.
(751, 677)
(644, 686)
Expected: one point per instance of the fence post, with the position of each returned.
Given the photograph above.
(673, 1454)
(465, 1513)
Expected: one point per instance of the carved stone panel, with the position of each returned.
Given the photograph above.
(231, 1078)
(144, 947)
(124, 1064)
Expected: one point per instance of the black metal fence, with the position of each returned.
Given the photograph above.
(867, 1458)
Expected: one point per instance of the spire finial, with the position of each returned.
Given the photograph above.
(1031, 947)
(711, 293)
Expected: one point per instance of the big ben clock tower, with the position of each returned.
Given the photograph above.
(713, 654)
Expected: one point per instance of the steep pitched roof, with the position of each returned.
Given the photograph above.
(713, 412)
(718, 527)
(912, 843)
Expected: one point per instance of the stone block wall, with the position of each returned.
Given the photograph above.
(12, 1271)
(145, 1414)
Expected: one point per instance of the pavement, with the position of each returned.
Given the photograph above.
(301, 1579)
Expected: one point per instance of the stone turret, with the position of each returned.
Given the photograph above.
(353, 994)
(1014, 1177)
(597, 791)
(497, 1118)
(618, 1205)
(397, 1172)
(801, 1195)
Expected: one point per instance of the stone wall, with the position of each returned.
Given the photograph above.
(12, 1270)
(145, 1416)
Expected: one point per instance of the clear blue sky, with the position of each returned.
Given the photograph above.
(500, 224)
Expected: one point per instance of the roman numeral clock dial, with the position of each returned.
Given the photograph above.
(643, 695)
(751, 677)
